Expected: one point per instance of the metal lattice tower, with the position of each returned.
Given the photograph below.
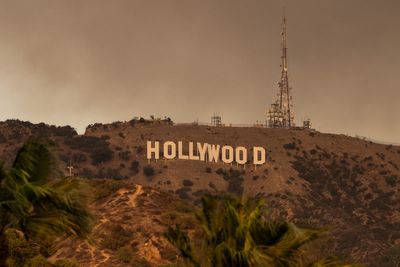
(280, 114)
(216, 120)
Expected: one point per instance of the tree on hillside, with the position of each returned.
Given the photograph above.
(238, 233)
(34, 204)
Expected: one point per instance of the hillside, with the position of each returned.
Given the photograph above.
(347, 185)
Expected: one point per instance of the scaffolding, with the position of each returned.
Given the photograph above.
(216, 120)
(274, 116)
(307, 123)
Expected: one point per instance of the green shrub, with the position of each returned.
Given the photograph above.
(105, 188)
(20, 250)
(98, 148)
(37, 261)
(23, 252)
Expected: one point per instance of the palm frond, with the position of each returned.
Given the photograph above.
(237, 233)
(34, 204)
(182, 242)
(36, 161)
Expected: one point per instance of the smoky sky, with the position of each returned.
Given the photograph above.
(79, 62)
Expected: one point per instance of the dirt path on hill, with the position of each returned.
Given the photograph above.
(133, 197)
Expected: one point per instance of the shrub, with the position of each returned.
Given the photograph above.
(391, 180)
(64, 131)
(23, 252)
(220, 171)
(208, 170)
(117, 238)
(37, 261)
(132, 122)
(289, 146)
(148, 171)
(187, 183)
(98, 148)
(3, 139)
(66, 263)
(105, 188)
(105, 137)
(86, 172)
(139, 262)
(125, 155)
(212, 185)
(110, 173)
(101, 156)
(134, 167)
(235, 180)
(180, 206)
(65, 158)
(78, 158)
(139, 149)
(125, 254)
(183, 192)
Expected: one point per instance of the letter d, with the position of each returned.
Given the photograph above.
(258, 155)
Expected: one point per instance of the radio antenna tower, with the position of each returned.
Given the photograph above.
(280, 114)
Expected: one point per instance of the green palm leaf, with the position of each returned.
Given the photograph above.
(36, 202)
(236, 233)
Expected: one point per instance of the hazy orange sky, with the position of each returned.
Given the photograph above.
(79, 62)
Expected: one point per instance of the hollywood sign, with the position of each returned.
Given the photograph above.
(170, 150)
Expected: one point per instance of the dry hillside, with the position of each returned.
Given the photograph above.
(347, 185)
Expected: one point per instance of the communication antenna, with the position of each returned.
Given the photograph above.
(280, 114)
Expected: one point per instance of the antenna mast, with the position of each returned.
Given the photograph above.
(280, 114)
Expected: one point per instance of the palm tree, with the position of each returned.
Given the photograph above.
(237, 233)
(35, 203)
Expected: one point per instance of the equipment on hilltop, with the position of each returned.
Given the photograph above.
(280, 115)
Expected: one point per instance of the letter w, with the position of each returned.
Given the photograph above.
(213, 153)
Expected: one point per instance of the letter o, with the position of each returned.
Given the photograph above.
(227, 154)
(169, 150)
(241, 155)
